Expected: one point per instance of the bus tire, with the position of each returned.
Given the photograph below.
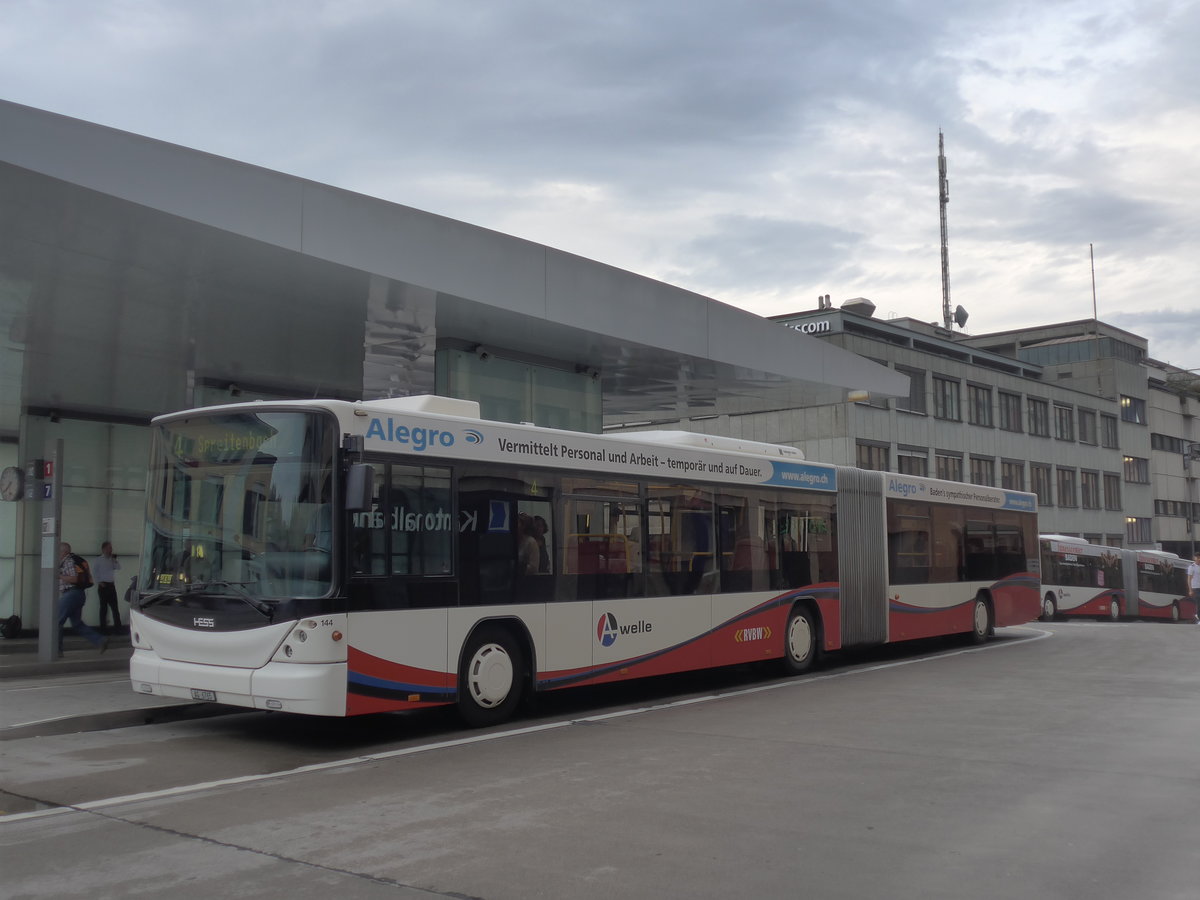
(981, 620)
(1049, 608)
(491, 677)
(1114, 611)
(1174, 612)
(799, 641)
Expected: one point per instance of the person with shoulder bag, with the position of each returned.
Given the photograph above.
(74, 578)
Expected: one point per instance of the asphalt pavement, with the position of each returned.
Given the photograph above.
(1056, 761)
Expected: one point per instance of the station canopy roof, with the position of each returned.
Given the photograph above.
(660, 351)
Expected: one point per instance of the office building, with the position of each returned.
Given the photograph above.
(1075, 412)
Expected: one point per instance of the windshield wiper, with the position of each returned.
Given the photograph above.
(262, 607)
(168, 594)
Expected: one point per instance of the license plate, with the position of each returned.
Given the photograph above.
(204, 695)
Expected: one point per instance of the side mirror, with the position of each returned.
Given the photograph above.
(360, 487)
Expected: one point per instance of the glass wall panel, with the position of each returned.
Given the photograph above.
(566, 399)
(510, 390)
(130, 449)
(8, 540)
(14, 306)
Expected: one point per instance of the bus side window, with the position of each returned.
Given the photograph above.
(909, 525)
(948, 547)
(745, 546)
(687, 555)
(1010, 544)
(421, 521)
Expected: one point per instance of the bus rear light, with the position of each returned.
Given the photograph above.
(337, 635)
(287, 650)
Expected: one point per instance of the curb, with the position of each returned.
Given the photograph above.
(117, 662)
(128, 718)
(19, 657)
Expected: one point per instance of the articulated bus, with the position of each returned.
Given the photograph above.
(338, 558)
(1084, 579)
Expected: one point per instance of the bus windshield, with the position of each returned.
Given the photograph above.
(241, 502)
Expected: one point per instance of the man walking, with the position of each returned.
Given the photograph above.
(104, 570)
(71, 597)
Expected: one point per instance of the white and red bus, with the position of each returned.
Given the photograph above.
(1084, 579)
(339, 558)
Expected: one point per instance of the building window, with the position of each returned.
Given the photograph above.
(983, 470)
(979, 405)
(1137, 529)
(1012, 475)
(1010, 411)
(1112, 490)
(1089, 489)
(1064, 423)
(873, 456)
(1133, 409)
(949, 466)
(1137, 470)
(1066, 487)
(915, 402)
(1039, 417)
(1087, 427)
(945, 399)
(1167, 443)
(1108, 431)
(1039, 478)
(912, 462)
(1175, 508)
(1093, 538)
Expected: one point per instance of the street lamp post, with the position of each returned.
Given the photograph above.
(1191, 453)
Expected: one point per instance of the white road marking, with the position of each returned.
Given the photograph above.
(1038, 635)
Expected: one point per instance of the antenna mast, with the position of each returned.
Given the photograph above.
(943, 199)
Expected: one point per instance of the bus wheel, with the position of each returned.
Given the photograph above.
(490, 681)
(799, 641)
(981, 621)
(1114, 611)
(1174, 612)
(1049, 609)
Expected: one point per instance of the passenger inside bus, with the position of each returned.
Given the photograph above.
(528, 555)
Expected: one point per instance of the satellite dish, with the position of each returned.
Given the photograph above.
(960, 316)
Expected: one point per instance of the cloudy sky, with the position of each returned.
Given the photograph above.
(761, 152)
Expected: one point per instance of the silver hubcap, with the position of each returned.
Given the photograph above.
(1113, 611)
(490, 676)
(1048, 608)
(981, 618)
(799, 638)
